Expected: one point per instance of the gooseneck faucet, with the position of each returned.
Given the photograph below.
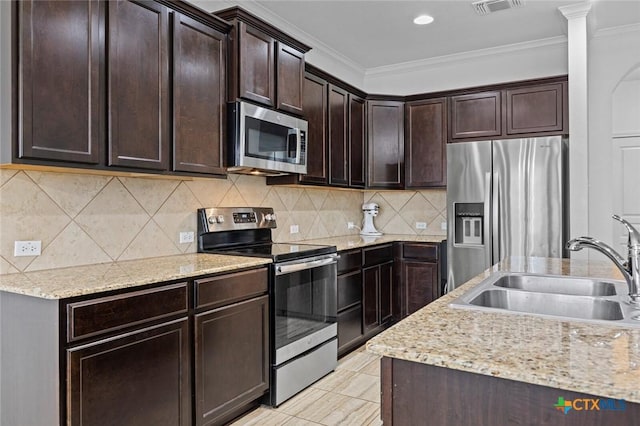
(629, 267)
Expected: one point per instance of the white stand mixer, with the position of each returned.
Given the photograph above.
(370, 211)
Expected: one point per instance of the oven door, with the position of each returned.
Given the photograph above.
(305, 305)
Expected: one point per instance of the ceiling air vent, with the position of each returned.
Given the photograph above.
(485, 7)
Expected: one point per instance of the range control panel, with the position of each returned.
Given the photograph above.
(235, 218)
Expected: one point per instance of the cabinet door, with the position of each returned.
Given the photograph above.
(140, 378)
(338, 137)
(535, 109)
(420, 281)
(370, 292)
(61, 80)
(357, 129)
(138, 85)
(349, 328)
(199, 96)
(256, 65)
(386, 292)
(477, 115)
(231, 358)
(385, 144)
(425, 143)
(314, 103)
(290, 76)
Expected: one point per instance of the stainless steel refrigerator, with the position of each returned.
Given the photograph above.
(505, 198)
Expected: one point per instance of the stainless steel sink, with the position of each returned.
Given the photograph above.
(560, 297)
(550, 304)
(557, 284)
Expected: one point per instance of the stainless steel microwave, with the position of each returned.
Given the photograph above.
(265, 141)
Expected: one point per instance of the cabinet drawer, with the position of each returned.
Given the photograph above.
(349, 289)
(349, 260)
(226, 289)
(378, 254)
(420, 251)
(96, 316)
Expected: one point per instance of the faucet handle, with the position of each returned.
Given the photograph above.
(634, 235)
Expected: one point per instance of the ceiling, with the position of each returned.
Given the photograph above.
(376, 33)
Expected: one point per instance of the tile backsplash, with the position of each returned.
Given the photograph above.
(84, 218)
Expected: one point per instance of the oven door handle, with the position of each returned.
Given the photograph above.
(295, 267)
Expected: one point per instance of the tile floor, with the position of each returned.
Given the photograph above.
(348, 396)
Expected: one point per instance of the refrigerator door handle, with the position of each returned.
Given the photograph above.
(495, 218)
(487, 220)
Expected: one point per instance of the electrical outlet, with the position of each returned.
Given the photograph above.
(421, 225)
(350, 225)
(443, 226)
(294, 229)
(186, 237)
(27, 248)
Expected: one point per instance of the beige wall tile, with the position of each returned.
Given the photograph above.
(437, 197)
(72, 247)
(72, 192)
(150, 193)
(209, 192)
(150, 242)
(6, 267)
(6, 174)
(233, 198)
(113, 218)
(27, 213)
(252, 189)
(317, 196)
(178, 214)
(289, 196)
(396, 199)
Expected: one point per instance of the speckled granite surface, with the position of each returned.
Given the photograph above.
(357, 241)
(577, 356)
(80, 280)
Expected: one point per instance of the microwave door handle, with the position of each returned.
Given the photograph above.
(298, 145)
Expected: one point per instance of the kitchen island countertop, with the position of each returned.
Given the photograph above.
(595, 359)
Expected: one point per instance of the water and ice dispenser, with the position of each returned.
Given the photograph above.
(469, 224)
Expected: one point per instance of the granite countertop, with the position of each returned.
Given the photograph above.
(81, 280)
(347, 242)
(601, 360)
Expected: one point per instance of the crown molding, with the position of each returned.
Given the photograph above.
(613, 31)
(574, 11)
(406, 67)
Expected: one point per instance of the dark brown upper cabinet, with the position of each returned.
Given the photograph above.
(61, 81)
(199, 96)
(425, 143)
(357, 135)
(385, 144)
(536, 109)
(256, 65)
(290, 79)
(314, 103)
(138, 82)
(476, 115)
(265, 65)
(338, 136)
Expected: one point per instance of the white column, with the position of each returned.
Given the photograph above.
(578, 121)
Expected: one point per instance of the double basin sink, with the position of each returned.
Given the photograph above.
(563, 297)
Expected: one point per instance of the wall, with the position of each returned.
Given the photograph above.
(400, 210)
(83, 219)
(612, 54)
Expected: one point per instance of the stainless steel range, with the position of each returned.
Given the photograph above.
(302, 293)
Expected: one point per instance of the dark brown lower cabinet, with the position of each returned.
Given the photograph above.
(413, 392)
(142, 377)
(417, 275)
(377, 301)
(231, 359)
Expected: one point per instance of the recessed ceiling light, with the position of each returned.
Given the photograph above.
(423, 20)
